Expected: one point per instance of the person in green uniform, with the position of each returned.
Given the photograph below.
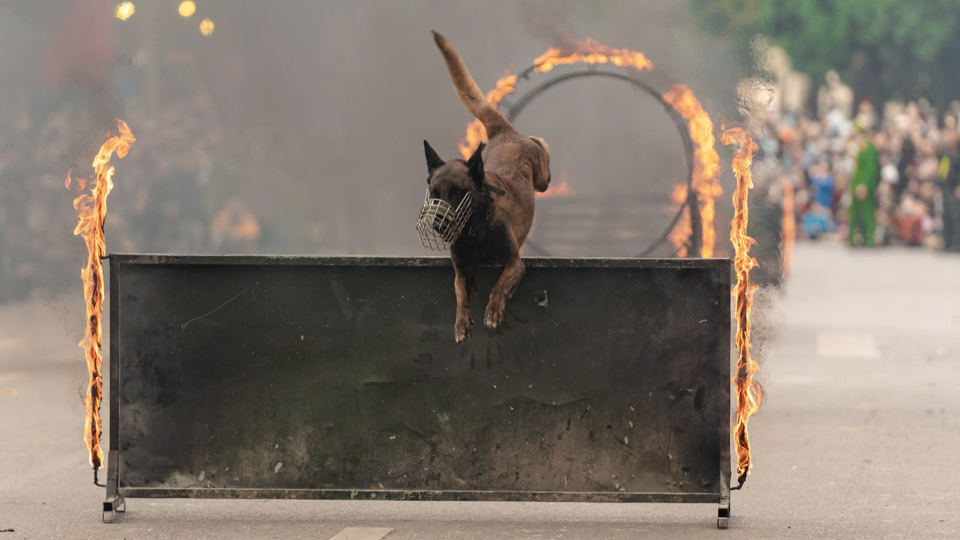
(864, 187)
(950, 191)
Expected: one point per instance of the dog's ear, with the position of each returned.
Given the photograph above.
(475, 166)
(433, 160)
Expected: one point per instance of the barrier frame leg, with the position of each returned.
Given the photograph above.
(723, 513)
(114, 503)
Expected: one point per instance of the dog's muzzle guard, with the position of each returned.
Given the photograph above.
(440, 224)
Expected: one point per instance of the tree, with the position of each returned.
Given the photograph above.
(883, 48)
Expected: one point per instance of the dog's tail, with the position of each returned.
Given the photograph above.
(470, 94)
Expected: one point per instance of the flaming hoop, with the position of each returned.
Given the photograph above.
(705, 179)
(92, 212)
(691, 230)
(476, 134)
(749, 393)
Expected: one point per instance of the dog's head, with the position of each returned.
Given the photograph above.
(451, 199)
(450, 181)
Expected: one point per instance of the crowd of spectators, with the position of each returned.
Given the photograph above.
(874, 177)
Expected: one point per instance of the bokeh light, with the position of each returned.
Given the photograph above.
(125, 10)
(206, 27)
(187, 8)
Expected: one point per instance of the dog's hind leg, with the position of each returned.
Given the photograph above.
(513, 271)
(465, 285)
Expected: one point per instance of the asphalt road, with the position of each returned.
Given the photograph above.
(859, 436)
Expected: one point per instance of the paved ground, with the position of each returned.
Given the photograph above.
(859, 436)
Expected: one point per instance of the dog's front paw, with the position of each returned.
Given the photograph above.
(461, 330)
(494, 315)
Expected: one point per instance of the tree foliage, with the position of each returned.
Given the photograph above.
(884, 48)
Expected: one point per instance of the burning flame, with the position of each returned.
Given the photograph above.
(92, 211)
(749, 393)
(589, 51)
(705, 182)
(206, 27)
(680, 234)
(124, 10)
(187, 8)
(705, 178)
(560, 189)
(789, 225)
(476, 133)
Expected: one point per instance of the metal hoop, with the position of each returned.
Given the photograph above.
(513, 110)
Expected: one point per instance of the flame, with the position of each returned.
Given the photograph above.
(235, 222)
(187, 8)
(92, 211)
(705, 180)
(589, 51)
(124, 10)
(206, 27)
(476, 133)
(749, 393)
(679, 236)
(560, 189)
(789, 225)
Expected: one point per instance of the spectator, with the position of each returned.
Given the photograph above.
(864, 186)
(914, 200)
(949, 176)
(817, 221)
(821, 184)
(905, 167)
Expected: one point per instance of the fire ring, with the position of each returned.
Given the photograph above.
(513, 109)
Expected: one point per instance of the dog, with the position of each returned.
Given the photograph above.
(498, 181)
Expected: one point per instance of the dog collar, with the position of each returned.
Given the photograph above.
(495, 189)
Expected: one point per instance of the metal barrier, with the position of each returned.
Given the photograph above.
(339, 378)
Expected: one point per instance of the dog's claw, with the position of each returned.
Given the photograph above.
(462, 329)
(494, 315)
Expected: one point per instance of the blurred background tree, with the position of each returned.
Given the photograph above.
(886, 49)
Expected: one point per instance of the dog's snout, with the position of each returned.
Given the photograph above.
(439, 223)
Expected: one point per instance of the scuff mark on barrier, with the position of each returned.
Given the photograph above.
(183, 327)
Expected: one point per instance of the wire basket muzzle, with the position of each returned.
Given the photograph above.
(440, 224)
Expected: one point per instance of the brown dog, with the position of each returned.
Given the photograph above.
(502, 176)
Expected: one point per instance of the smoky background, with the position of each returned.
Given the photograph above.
(297, 126)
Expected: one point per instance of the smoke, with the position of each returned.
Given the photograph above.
(548, 23)
(310, 116)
